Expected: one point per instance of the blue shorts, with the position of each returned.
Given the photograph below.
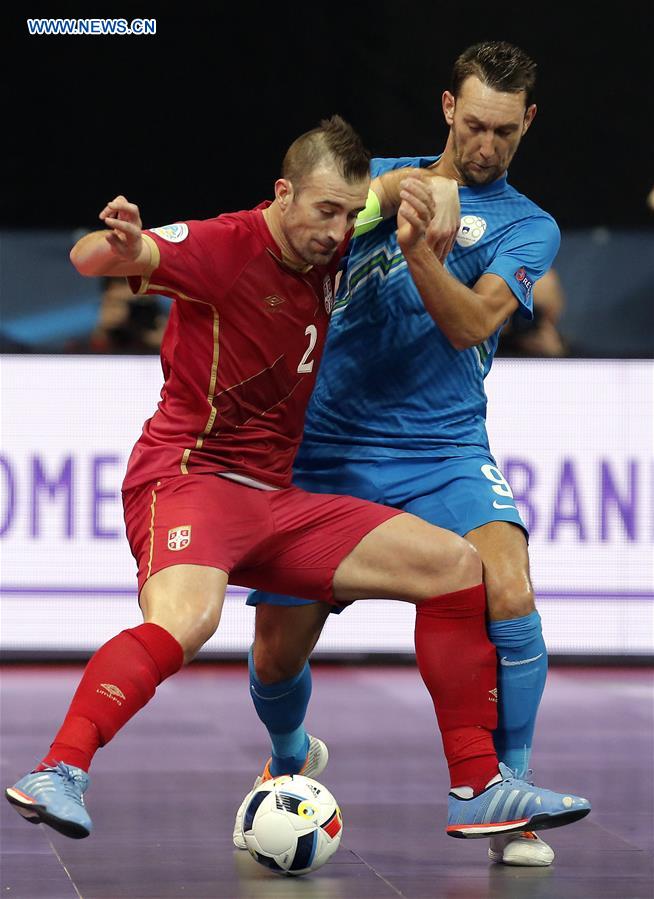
(459, 493)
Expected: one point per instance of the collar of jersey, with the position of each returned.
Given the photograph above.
(270, 243)
(479, 190)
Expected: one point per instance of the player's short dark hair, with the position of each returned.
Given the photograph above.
(499, 65)
(333, 141)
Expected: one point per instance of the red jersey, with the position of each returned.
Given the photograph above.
(240, 353)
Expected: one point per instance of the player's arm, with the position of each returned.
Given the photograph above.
(466, 316)
(384, 199)
(121, 250)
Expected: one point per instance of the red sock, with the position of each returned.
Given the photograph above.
(118, 681)
(458, 664)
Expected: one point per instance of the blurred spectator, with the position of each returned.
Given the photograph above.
(126, 324)
(538, 336)
(9, 345)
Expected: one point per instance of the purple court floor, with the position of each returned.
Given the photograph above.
(163, 794)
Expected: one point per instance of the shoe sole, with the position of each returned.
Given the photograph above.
(38, 814)
(537, 822)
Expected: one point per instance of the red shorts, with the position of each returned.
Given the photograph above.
(282, 541)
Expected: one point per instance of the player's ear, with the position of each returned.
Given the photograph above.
(283, 192)
(529, 117)
(448, 103)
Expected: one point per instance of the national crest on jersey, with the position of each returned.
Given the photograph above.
(471, 229)
(179, 538)
(390, 380)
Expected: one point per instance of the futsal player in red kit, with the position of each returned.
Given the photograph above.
(208, 497)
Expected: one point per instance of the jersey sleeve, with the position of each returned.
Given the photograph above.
(371, 216)
(379, 165)
(524, 254)
(192, 260)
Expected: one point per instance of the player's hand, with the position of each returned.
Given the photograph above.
(123, 220)
(415, 213)
(445, 223)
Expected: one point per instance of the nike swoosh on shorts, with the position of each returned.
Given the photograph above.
(497, 505)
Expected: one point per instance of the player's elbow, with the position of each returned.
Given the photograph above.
(80, 261)
(471, 333)
(90, 255)
(464, 339)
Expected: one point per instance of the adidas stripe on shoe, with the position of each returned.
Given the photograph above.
(54, 796)
(511, 805)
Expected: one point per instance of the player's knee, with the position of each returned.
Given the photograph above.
(192, 633)
(457, 567)
(272, 666)
(467, 564)
(511, 597)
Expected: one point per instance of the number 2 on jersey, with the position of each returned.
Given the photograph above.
(305, 366)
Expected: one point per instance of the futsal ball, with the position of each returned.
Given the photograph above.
(292, 824)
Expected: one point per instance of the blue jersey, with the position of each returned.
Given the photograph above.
(390, 383)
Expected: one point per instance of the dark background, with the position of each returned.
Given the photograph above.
(195, 120)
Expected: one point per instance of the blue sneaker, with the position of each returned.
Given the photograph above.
(54, 796)
(508, 805)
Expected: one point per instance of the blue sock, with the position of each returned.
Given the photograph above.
(282, 707)
(521, 674)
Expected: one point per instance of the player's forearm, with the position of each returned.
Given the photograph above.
(459, 312)
(388, 187)
(93, 256)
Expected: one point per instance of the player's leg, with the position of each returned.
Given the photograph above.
(514, 628)
(457, 662)
(280, 678)
(181, 608)
(287, 629)
(408, 559)
(471, 496)
(181, 604)
(349, 549)
(337, 548)
(280, 688)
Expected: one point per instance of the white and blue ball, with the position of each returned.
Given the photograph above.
(292, 824)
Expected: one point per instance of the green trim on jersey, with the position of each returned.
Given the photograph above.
(369, 217)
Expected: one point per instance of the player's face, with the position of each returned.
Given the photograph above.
(486, 127)
(317, 216)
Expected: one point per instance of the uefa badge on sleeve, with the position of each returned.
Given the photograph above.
(329, 294)
(179, 538)
(172, 233)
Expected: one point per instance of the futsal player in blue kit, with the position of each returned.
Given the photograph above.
(398, 413)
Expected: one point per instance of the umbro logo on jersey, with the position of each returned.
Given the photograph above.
(492, 695)
(179, 538)
(273, 301)
(111, 691)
